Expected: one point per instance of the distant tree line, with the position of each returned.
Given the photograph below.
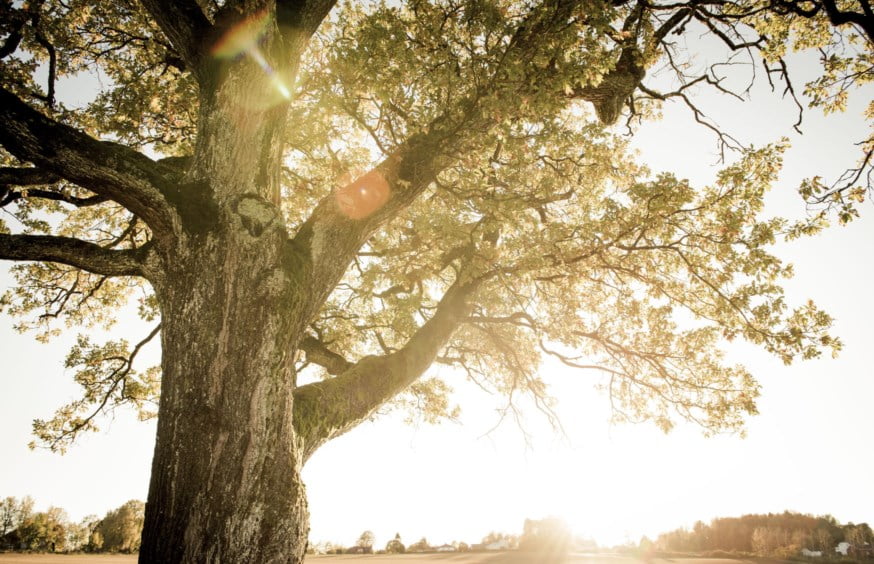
(365, 542)
(775, 534)
(549, 536)
(22, 528)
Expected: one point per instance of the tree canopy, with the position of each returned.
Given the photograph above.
(575, 250)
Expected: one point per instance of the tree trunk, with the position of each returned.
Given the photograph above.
(225, 483)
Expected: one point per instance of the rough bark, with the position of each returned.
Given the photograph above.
(225, 483)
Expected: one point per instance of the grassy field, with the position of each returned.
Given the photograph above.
(446, 558)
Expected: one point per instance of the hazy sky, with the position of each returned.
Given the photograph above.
(808, 451)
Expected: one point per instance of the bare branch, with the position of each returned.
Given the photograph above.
(318, 353)
(28, 176)
(74, 252)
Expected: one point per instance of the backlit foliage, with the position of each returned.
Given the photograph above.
(585, 256)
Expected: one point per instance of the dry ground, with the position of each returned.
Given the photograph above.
(468, 558)
(67, 558)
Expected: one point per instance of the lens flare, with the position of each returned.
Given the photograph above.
(244, 39)
(363, 197)
(241, 37)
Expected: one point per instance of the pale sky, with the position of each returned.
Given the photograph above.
(809, 449)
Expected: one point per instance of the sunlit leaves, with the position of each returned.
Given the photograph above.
(580, 253)
(635, 278)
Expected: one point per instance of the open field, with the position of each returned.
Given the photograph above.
(12, 558)
(466, 558)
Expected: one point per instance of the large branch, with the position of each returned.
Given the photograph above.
(324, 410)
(18, 176)
(108, 169)
(74, 252)
(29, 176)
(864, 20)
(337, 228)
(186, 26)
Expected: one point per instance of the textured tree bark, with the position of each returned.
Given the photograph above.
(236, 292)
(225, 483)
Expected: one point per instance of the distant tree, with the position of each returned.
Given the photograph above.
(821, 539)
(79, 534)
(13, 512)
(44, 531)
(366, 539)
(700, 537)
(858, 535)
(95, 541)
(761, 540)
(801, 538)
(121, 528)
(773, 534)
(395, 546)
(7, 516)
(645, 543)
(420, 545)
(337, 549)
(462, 546)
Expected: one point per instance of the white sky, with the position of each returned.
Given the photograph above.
(808, 451)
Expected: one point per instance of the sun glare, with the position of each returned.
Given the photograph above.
(244, 39)
(363, 197)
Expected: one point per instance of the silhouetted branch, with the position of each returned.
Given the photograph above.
(73, 252)
(107, 169)
(324, 410)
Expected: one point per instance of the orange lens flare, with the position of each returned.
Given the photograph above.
(364, 196)
(243, 39)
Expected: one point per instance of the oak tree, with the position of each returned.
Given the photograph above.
(313, 204)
